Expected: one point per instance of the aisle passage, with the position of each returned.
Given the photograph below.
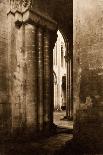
(60, 121)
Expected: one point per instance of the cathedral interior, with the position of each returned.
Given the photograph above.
(28, 34)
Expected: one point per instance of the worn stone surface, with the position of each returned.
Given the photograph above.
(4, 102)
(60, 121)
(88, 71)
(30, 56)
(46, 146)
(18, 74)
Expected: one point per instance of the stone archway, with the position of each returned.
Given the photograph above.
(32, 35)
(32, 27)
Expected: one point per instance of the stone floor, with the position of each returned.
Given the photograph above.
(45, 146)
(49, 146)
(59, 143)
(60, 121)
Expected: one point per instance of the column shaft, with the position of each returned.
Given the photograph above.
(11, 49)
(68, 96)
(69, 87)
(40, 77)
(31, 79)
(46, 79)
(51, 87)
(68, 92)
(72, 85)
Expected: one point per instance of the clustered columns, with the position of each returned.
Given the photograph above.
(34, 53)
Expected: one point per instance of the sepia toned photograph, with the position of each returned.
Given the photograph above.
(51, 77)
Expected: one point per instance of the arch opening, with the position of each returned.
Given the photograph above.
(60, 73)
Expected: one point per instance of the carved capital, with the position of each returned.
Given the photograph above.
(27, 3)
(28, 15)
(15, 5)
(20, 5)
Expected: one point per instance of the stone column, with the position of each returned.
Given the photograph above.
(70, 97)
(51, 84)
(69, 103)
(35, 82)
(47, 81)
(49, 42)
(40, 76)
(71, 80)
(67, 82)
(11, 49)
(16, 75)
(31, 77)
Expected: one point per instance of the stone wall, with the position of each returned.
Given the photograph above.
(3, 52)
(4, 103)
(20, 82)
(88, 71)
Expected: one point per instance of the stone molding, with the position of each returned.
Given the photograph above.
(32, 17)
(20, 5)
(27, 3)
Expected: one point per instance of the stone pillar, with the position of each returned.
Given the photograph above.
(31, 77)
(32, 54)
(40, 76)
(70, 97)
(70, 89)
(72, 105)
(16, 77)
(69, 83)
(46, 76)
(71, 79)
(67, 93)
(49, 42)
(11, 48)
(52, 42)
